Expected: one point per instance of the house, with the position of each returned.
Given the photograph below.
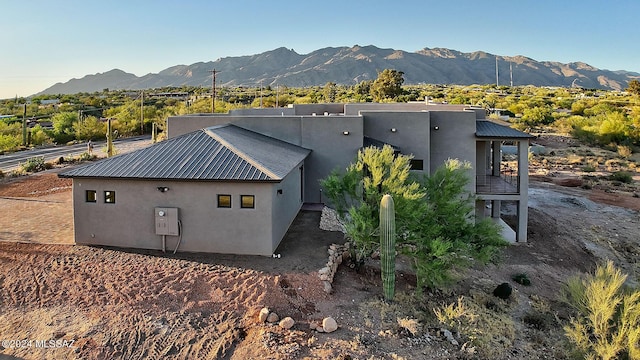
(233, 183)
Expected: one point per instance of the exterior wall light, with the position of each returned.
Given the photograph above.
(279, 191)
(163, 189)
(436, 128)
(345, 133)
(394, 130)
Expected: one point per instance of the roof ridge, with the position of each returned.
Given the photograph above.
(237, 151)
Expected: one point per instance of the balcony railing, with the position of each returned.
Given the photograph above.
(507, 183)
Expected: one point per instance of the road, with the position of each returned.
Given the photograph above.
(10, 162)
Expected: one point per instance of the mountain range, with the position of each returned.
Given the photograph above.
(351, 65)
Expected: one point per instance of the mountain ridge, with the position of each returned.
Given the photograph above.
(351, 65)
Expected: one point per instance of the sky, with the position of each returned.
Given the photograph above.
(43, 42)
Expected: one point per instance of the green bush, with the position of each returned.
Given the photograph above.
(607, 325)
(34, 164)
(434, 214)
(622, 176)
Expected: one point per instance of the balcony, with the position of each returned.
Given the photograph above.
(507, 183)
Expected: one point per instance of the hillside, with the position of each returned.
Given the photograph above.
(351, 65)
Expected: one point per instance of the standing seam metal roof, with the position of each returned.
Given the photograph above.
(226, 152)
(488, 129)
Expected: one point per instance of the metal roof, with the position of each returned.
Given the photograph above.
(488, 129)
(368, 141)
(223, 153)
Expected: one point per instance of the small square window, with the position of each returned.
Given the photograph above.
(247, 201)
(91, 196)
(417, 164)
(110, 197)
(224, 201)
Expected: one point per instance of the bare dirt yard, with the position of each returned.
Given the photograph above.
(61, 301)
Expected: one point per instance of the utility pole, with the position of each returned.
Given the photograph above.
(213, 90)
(142, 113)
(511, 73)
(497, 81)
(24, 126)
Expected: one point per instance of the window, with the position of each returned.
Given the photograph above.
(224, 201)
(110, 197)
(247, 201)
(417, 164)
(91, 196)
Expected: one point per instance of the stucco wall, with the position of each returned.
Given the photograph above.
(331, 149)
(356, 108)
(130, 222)
(285, 205)
(412, 131)
(454, 138)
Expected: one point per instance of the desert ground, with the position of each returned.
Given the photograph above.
(108, 303)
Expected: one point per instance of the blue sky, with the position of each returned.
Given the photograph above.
(44, 42)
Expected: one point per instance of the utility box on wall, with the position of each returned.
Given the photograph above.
(167, 221)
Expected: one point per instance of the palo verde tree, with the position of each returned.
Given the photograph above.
(433, 215)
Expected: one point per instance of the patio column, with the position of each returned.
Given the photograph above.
(523, 187)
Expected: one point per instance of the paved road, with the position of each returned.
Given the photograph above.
(12, 161)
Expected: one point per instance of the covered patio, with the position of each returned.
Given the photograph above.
(497, 182)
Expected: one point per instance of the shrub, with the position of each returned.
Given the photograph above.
(491, 332)
(624, 151)
(607, 325)
(34, 164)
(588, 168)
(622, 176)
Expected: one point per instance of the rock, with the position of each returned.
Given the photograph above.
(287, 323)
(327, 287)
(569, 182)
(329, 324)
(273, 317)
(264, 314)
(313, 325)
(449, 336)
(324, 270)
(503, 291)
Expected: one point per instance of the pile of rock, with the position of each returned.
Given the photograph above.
(329, 324)
(337, 254)
(269, 316)
(329, 220)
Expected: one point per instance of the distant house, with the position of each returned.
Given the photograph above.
(233, 183)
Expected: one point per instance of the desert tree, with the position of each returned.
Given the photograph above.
(434, 215)
(388, 85)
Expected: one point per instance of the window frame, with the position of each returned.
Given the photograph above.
(94, 194)
(109, 197)
(253, 201)
(220, 196)
(414, 162)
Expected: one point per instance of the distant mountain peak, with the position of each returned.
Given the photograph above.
(350, 65)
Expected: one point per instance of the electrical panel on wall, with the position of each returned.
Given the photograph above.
(167, 221)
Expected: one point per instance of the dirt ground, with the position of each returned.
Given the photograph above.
(107, 303)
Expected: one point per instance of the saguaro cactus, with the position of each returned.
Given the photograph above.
(388, 246)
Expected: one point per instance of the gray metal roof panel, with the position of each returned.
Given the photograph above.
(224, 153)
(488, 129)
